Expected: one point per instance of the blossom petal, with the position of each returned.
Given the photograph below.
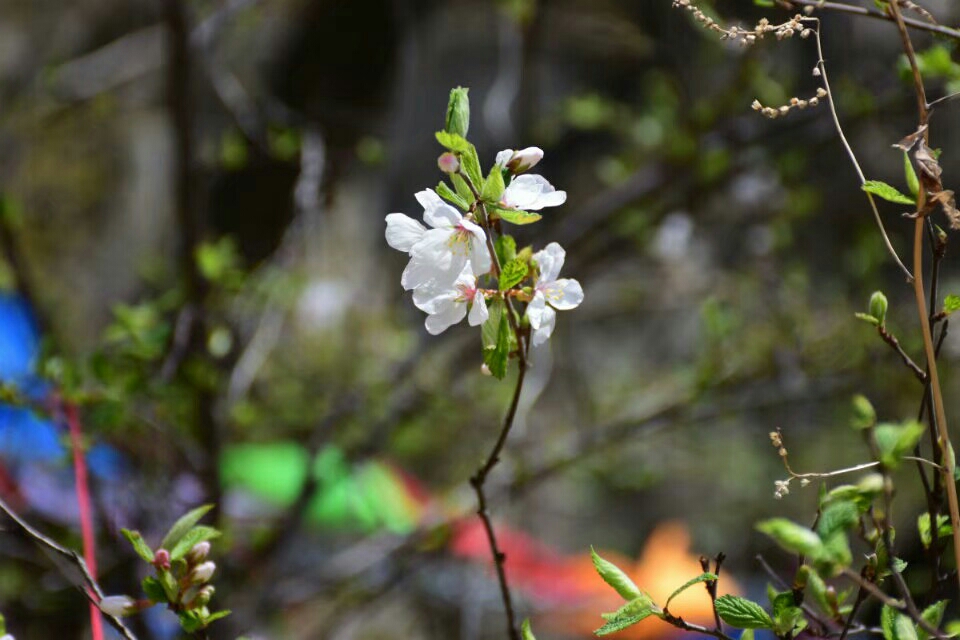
(437, 213)
(547, 323)
(403, 232)
(419, 273)
(504, 157)
(428, 199)
(536, 309)
(563, 294)
(531, 192)
(550, 260)
(435, 247)
(478, 312)
(432, 299)
(448, 316)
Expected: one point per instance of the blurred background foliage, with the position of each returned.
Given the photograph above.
(193, 196)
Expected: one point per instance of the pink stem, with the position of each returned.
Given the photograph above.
(83, 501)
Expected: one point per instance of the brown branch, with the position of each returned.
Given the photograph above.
(891, 340)
(872, 13)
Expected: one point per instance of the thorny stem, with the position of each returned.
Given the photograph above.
(935, 390)
(853, 158)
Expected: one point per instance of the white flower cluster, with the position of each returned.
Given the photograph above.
(452, 251)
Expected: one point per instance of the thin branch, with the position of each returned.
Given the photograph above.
(91, 590)
(893, 603)
(891, 340)
(872, 13)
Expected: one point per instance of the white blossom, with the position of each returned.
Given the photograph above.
(117, 606)
(550, 293)
(531, 192)
(520, 161)
(447, 305)
(437, 254)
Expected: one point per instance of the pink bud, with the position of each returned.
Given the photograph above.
(524, 160)
(448, 163)
(161, 559)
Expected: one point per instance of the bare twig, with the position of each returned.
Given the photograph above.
(891, 340)
(90, 588)
(871, 13)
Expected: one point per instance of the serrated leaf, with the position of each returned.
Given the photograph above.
(934, 616)
(944, 530)
(184, 524)
(515, 216)
(506, 248)
(526, 633)
(628, 615)
(139, 544)
(462, 188)
(493, 187)
(513, 273)
(792, 536)
(742, 613)
(192, 537)
(895, 625)
(615, 577)
(839, 515)
(450, 196)
(834, 556)
(911, 175)
(470, 164)
(951, 303)
(452, 141)
(497, 356)
(887, 192)
(703, 577)
(816, 588)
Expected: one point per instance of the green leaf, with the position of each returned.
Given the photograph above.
(895, 625)
(183, 525)
(493, 186)
(506, 248)
(912, 183)
(463, 189)
(450, 196)
(497, 356)
(3, 625)
(742, 613)
(885, 191)
(866, 317)
(703, 577)
(792, 536)
(933, 615)
(614, 577)
(815, 588)
(951, 303)
(834, 556)
(839, 515)
(513, 273)
(944, 530)
(896, 440)
(216, 616)
(515, 216)
(470, 164)
(458, 112)
(767, 4)
(526, 633)
(628, 615)
(864, 415)
(452, 141)
(192, 537)
(139, 545)
(154, 590)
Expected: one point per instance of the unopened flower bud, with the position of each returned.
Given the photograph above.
(448, 163)
(524, 160)
(161, 559)
(878, 307)
(202, 573)
(204, 596)
(864, 415)
(118, 606)
(458, 112)
(485, 370)
(198, 553)
(821, 92)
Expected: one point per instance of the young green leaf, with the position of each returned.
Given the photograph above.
(896, 440)
(951, 303)
(703, 577)
(497, 356)
(885, 191)
(815, 588)
(895, 625)
(944, 530)
(866, 317)
(628, 615)
(506, 248)
(192, 537)
(216, 615)
(458, 112)
(471, 166)
(742, 613)
(154, 589)
(139, 545)
(513, 273)
(912, 183)
(514, 216)
(864, 415)
(933, 615)
(791, 536)
(450, 196)
(452, 141)
(493, 187)
(839, 515)
(184, 524)
(614, 577)
(526, 633)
